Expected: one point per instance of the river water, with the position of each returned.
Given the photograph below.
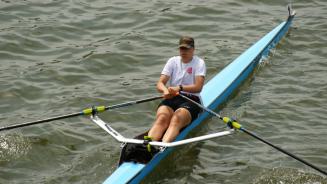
(59, 57)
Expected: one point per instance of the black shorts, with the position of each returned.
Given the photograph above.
(179, 102)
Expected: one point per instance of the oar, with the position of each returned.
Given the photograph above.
(234, 124)
(87, 111)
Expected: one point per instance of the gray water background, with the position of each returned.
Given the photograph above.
(58, 57)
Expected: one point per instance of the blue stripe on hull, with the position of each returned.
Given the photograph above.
(125, 172)
(219, 88)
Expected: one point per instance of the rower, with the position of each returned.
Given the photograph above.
(185, 74)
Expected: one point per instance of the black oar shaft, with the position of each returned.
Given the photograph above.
(132, 102)
(84, 112)
(284, 151)
(40, 121)
(238, 126)
(201, 106)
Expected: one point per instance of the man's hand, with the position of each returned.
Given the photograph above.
(174, 90)
(166, 94)
(170, 92)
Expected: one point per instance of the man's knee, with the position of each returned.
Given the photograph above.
(164, 113)
(180, 119)
(163, 118)
(182, 114)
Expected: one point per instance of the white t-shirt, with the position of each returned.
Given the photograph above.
(184, 74)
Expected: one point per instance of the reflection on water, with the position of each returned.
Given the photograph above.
(288, 176)
(13, 146)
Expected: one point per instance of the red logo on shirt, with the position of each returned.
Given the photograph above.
(189, 70)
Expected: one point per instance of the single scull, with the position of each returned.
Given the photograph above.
(214, 93)
(140, 156)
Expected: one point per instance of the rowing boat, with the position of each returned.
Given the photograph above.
(214, 93)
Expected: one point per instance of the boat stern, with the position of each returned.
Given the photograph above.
(124, 173)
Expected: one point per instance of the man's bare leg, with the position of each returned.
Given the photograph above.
(181, 118)
(164, 114)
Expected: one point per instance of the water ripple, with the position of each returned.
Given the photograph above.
(59, 57)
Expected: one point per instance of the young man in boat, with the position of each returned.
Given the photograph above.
(182, 74)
